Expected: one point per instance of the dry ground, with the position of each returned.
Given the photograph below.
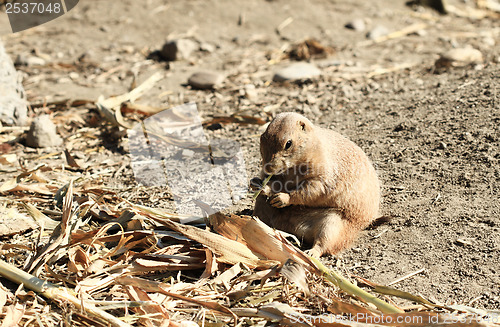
(434, 137)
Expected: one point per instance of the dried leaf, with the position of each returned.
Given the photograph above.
(394, 292)
(59, 237)
(144, 265)
(78, 260)
(155, 314)
(70, 159)
(308, 49)
(296, 274)
(8, 159)
(227, 250)
(256, 235)
(340, 307)
(109, 107)
(4, 294)
(42, 220)
(13, 315)
(153, 286)
(211, 265)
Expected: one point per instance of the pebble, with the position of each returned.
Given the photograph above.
(42, 133)
(377, 32)
(205, 80)
(297, 71)
(187, 153)
(489, 41)
(178, 49)
(357, 24)
(28, 60)
(73, 75)
(460, 57)
(207, 47)
(421, 33)
(250, 92)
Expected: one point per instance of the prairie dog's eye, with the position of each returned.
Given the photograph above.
(288, 144)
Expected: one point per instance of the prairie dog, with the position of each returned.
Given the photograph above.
(324, 188)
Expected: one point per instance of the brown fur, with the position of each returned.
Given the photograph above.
(332, 190)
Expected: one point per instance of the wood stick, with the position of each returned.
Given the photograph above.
(406, 276)
(397, 34)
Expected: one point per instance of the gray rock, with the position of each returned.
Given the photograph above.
(178, 49)
(357, 24)
(297, 71)
(205, 80)
(377, 32)
(42, 133)
(13, 104)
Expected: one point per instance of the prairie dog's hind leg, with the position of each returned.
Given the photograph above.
(323, 228)
(332, 234)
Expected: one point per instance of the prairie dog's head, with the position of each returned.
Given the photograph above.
(283, 144)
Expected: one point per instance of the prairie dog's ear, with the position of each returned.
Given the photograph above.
(302, 125)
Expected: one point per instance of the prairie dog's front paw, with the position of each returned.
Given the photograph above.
(280, 200)
(266, 190)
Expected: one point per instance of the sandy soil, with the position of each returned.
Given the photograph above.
(434, 137)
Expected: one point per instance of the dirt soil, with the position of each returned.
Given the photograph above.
(434, 136)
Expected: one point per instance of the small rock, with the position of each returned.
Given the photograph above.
(250, 92)
(489, 41)
(468, 137)
(421, 32)
(377, 32)
(205, 80)
(187, 153)
(297, 71)
(42, 133)
(207, 47)
(178, 49)
(73, 75)
(28, 60)
(459, 57)
(463, 242)
(357, 24)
